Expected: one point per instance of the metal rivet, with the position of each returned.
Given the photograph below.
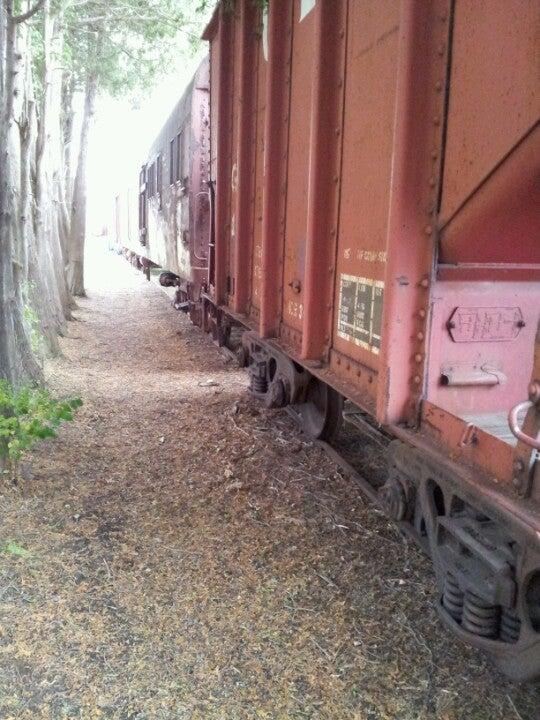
(432, 182)
(519, 465)
(434, 154)
(425, 283)
(418, 358)
(340, 83)
(441, 49)
(333, 232)
(331, 269)
(336, 178)
(420, 336)
(438, 86)
(337, 131)
(422, 313)
(428, 229)
(436, 120)
(417, 379)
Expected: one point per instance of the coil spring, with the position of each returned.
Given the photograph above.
(259, 384)
(452, 598)
(510, 626)
(479, 617)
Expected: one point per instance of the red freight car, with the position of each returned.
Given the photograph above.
(377, 233)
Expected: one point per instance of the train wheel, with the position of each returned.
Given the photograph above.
(321, 414)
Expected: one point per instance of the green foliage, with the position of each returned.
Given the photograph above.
(126, 44)
(27, 415)
(33, 326)
(34, 330)
(13, 548)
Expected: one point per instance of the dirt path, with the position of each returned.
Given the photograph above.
(193, 557)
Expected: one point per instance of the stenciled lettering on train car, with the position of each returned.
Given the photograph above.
(485, 324)
(360, 311)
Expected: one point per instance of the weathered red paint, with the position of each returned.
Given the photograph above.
(424, 31)
(324, 171)
(276, 132)
(245, 157)
(224, 79)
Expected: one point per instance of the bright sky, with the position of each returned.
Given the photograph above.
(122, 136)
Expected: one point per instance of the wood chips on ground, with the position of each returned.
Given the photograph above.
(192, 556)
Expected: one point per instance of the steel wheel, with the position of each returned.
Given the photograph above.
(322, 412)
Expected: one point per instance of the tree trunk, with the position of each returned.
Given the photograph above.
(78, 209)
(49, 171)
(16, 359)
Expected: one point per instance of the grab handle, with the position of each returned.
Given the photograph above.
(513, 422)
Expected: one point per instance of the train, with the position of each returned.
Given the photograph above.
(347, 196)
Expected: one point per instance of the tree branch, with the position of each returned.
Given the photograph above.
(16, 19)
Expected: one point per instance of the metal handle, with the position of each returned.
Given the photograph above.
(516, 430)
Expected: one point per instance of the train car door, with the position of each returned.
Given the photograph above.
(142, 206)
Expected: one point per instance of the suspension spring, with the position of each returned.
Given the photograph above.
(510, 626)
(480, 617)
(259, 384)
(452, 598)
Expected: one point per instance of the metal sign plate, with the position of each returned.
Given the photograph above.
(360, 311)
(485, 324)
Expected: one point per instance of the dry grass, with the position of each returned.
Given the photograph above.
(193, 557)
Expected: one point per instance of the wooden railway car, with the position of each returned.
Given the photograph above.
(173, 205)
(377, 234)
(374, 233)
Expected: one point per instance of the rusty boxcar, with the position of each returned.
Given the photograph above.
(371, 232)
(377, 233)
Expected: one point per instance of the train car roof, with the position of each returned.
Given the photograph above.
(176, 119)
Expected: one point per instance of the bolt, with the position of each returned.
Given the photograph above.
(534, 391)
